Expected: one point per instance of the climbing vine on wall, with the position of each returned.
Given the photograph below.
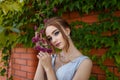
(18, 18)
(102, 34)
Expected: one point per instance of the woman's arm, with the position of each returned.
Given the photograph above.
(84, 70)
(46, 62)
(39, 75)
(50, 74)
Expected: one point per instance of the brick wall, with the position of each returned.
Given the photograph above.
(24, 63)
(1, 64)
(90, 18)
(24, 60)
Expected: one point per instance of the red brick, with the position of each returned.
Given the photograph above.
(32, 50)
(98, 52)
(16, 66)
(108, 33)
(30, 75)
(32, 63)
(97, 69)
(20, 50)
(3, 78)
(20, 61)
(117, 13)
(28, 68)
(20, 73)
(111, 69)
(13, 71)
(19, 78)
(16, 78)
(73, 20)
(109, 62)
(66, 15)
(29, 56)
(101, 77)
(94, 63)
(12, 60)
(74, 14)
(14, 55)
(90, 18)
(117, 73)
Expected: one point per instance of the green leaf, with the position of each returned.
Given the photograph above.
(16, 6)
(2, 72)
(4, 8)
(1, 19)
(1, 29)
(78, 4)
(117, 59)
(5, 58)
(3, 39)
(118, 5)
(60, 1)
(15, 30)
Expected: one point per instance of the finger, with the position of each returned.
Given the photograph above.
(41, 52)
(38, 56)
(47, 54)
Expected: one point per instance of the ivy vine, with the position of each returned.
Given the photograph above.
(18, 18)
(91, 36)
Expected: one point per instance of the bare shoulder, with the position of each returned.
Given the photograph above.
(86, 62)
(84, 70)
(86, 65)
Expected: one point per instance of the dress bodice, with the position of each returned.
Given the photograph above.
(67, 71)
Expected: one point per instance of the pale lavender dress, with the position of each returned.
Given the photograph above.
(67, 71)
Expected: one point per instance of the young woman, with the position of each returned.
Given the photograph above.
(69, 63)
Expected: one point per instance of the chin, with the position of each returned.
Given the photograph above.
(61, 47)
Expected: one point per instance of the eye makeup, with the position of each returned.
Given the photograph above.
(55, 33)
(49, 38)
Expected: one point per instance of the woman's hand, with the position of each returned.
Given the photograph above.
(45, 60)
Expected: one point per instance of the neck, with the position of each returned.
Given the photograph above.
(72, 50)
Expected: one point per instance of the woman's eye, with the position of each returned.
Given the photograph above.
(56, 33)
(49, 39)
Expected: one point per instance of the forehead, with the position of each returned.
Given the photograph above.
(50, 29)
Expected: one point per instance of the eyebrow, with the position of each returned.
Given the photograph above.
(53, 32)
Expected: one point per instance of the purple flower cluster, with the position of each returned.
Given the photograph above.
(35, 39)
(40, 41)
(39, 48)
(55, 10)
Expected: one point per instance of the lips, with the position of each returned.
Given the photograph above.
(57, 44)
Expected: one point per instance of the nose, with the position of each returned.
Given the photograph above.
(54, 40)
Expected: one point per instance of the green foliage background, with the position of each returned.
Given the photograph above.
(18, 18)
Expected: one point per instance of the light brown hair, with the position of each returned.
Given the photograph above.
(61, 24)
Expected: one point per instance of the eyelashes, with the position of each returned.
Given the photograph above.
(49, 39)
(56, 33)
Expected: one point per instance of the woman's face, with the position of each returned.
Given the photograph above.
(55, 37)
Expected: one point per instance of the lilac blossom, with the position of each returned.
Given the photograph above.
(42, 15)
(42, 31)
(45, 20)
(40, 41)
(49, 50)
(47, 2)
(55, 10)
(35, 39)
(35, 27)
(43, 49)
(38, 48)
